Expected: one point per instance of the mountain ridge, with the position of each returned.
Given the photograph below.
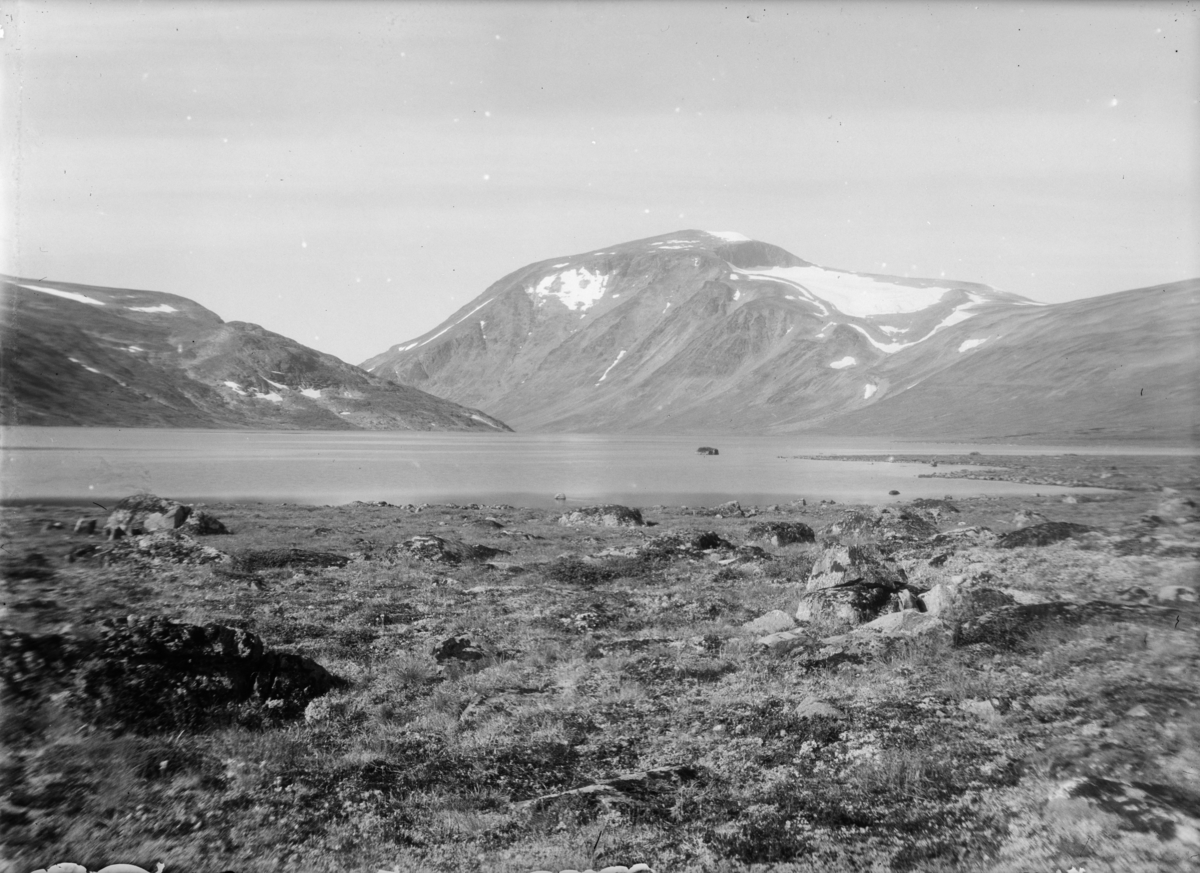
(80, 355)
(700, 331)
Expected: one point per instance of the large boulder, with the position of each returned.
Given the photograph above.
(845, 565)
(147, 674)
(606, 515)
(886, 523)
(850, 585)
(780, 533)
(952, 600)
(441, 550)
(147, 513)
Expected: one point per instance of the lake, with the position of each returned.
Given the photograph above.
(64, 464)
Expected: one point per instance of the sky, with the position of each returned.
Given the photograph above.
(350, 174)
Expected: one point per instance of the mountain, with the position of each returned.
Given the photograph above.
(701, 331)
(81, 355)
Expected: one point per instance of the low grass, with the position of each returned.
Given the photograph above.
(942, 757)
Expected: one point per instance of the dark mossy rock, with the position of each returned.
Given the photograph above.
(256, 560)
(606, 515)
(147, 674)
(707, 450)
(781, 533)
(441, 550)
(1041, 534)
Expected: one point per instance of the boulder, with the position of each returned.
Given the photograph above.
(171, 518)
(908, 622)
(886, 523)
(785, 641)
(707, 450)
(147, 674)
(774, 621)
(175, 547)
(780, 533)
(458, 649)
(441, 550)
(932, 506)
(1165, 812)
(606, 515)
(1041, 534)
(1028, 517)
(815, 707)
(85, 526)
(962, 600)
(147, 513)
(848, 605)
(201, 523)
(845, 565)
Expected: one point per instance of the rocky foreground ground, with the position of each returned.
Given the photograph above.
(999, 684)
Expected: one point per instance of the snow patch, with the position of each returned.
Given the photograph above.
(972, 343)
(957, 315)
(276, 384)
(728, 235)
(610, 366)
(484, 420)
(162, 307)
(273, 397)
(69, 295)
(853, 294)
(843, 363)
(665, 308)
(85, 366)
(892, 331)
(737, 295)
(869, 390)
(134, 349)
(447, 327)
(314, 393)
(235, 386)
(576, 289)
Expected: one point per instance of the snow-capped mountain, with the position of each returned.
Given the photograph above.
(701, 331)
(81, 355)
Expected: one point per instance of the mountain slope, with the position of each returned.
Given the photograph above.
(700, 331)
(80, 355)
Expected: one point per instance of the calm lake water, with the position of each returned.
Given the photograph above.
(41, 464)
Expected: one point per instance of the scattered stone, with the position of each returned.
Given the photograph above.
(707, 450)
(780, 533)
(458, 649)
(774, 621)
(784, 641)
(441, 550)
(815, 707)
(1176, 594)
(640, 785)
(1163, 811)
(908, 622)
(176, 547)
(606, 515)
(1041, 534)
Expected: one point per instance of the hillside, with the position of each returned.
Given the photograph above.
(701, 331)
(81, 355)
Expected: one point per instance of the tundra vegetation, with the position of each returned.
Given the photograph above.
(482, 688)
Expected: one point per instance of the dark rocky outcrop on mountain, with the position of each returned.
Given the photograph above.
(708, 332)
(81, 355)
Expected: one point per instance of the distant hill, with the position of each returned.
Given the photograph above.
(81, 355)
(706, 332)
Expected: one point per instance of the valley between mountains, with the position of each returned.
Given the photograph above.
(690, 332)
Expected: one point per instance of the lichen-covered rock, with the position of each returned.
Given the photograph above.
(1041, 534)
(148, 513)
(671, 544)
(1166, 812)
(889, 523)
(843, 565)
(147, 674)
(961, 601)
(606, 515)
(848, 605)
(780, 533)
(441, 550)
(175, 547)
(201, 523)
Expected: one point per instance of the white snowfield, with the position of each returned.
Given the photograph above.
(869, 390)
(843, 363)
(235, 386)
(478, 418)
(69, 295)
(314, 393)
(274, 396)
(957, 315)
(728, 235)
(162, 307)
(579, 288)
(852, 294)
(972, 343)
(610, 366)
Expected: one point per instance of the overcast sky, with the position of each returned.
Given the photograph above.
(349, 174)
